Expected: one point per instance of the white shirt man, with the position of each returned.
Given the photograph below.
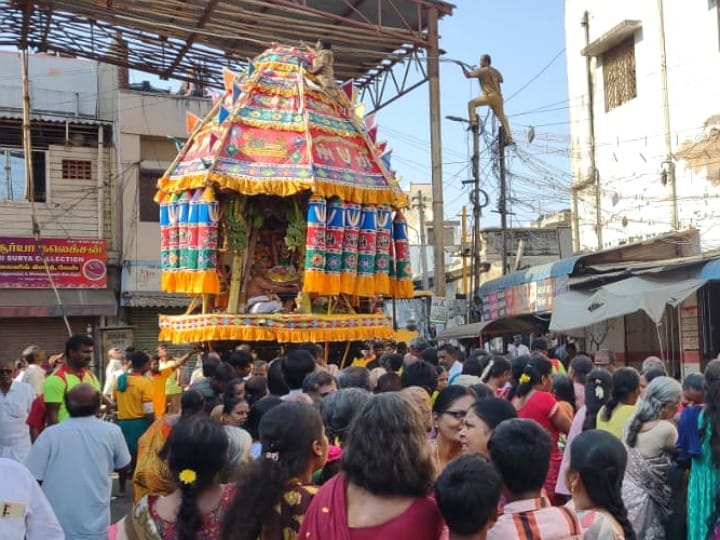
(15, 405)
(24, 510)
(517, 348)
(113, 370)
(74, 461)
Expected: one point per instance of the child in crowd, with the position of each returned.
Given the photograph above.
(564, 392)
(467, 494)
(520, 449)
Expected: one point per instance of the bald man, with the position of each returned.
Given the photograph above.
(74, 461)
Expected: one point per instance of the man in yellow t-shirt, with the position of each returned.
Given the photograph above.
(159, 375)
(134, 399)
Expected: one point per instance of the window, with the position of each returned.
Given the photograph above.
(149, 209)
(12, 186)
(619, 75)
(76, 169)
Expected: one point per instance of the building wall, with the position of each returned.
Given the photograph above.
(146, 120)
(630, 140)
(66, 86)
(71, 209)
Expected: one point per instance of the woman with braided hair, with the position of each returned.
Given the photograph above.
(533, 400)
(650, 438)
(196, 452)
(274, 492)
(597, 390)
(594, 477)
(703, 502)
(622, 403)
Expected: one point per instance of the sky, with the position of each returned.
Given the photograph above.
(526, 40)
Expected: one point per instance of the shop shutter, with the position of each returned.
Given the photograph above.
(48, 333)
(145, 323)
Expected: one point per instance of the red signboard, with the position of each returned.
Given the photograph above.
(72, 263)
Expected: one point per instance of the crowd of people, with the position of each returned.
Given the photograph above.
(413, 443)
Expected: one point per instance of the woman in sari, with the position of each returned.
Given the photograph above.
(196, 452)
(703, 501)
(480, 422)
(650, 438)
(274, 491)
(533, 400)
(449, 410)
(595, 476)
(382, 491)
(152, 475)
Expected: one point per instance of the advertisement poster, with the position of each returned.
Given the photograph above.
(438, 310)
(72, 263)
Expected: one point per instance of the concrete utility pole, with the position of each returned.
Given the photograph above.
(593, 176)
(476, 208)
(433, 70)
(669, 164)
(502, 201)
(419, 203)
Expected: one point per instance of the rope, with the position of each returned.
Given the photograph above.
(30, 183)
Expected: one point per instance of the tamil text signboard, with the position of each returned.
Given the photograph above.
(71, 263)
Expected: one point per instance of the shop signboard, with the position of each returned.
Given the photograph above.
(72, 263)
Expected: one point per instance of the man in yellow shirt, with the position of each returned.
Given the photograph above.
(158, 375)
(134, 399)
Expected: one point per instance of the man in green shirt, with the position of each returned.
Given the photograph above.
(78, 353)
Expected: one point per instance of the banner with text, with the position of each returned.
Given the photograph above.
(72, 263)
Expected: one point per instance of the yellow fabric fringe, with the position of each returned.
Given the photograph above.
(280, 186)
(365, 286)
(402, 289)
(193, 329)
(382, 284)
(190, 281)
(315, 282)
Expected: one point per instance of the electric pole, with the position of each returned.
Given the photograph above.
(502, 201)
(419, 203)
(476, 209)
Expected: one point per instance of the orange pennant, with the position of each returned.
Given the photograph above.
(228, 78)
(191, 121)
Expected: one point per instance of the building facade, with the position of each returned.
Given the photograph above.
(643, 82)
(148, 122)
(60, 239)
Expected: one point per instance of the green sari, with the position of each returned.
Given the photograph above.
(702, 489)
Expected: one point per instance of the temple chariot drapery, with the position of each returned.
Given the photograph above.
(281, 190)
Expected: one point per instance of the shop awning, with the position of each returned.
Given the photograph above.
(472, 330)
(577, 309)
(43, 303)
(563, 267)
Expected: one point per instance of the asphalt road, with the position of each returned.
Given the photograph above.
(120, 507)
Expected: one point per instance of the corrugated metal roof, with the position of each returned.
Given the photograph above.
(563, 267)
(17, 114)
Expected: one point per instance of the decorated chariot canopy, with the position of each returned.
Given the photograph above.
(278, 137)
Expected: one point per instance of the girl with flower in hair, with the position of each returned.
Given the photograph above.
(534, 400)
(196, 453)
(274, 491)
(597, 391)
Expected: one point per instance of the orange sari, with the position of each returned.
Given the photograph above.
(152, 476)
